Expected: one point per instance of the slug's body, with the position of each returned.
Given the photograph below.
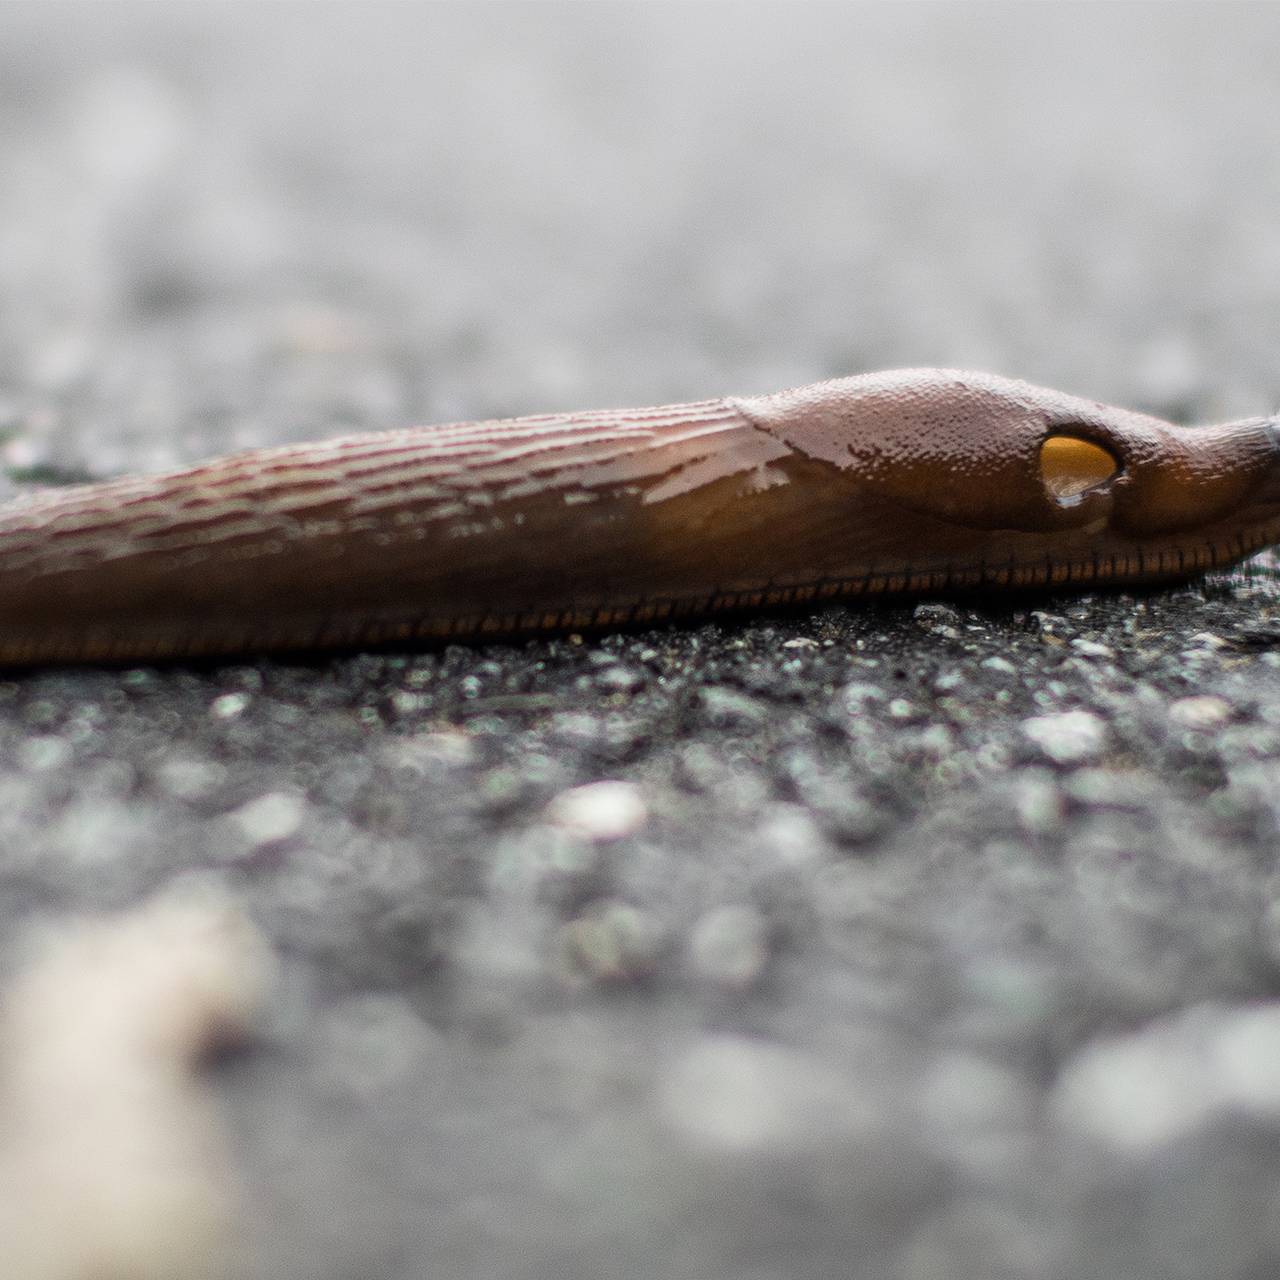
(916, 480)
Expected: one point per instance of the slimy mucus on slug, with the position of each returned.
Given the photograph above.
(917, 480)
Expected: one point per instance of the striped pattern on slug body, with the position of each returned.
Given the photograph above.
(914, 481)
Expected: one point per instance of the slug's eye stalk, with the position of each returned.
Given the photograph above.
(1177, 479)
(1071, 467)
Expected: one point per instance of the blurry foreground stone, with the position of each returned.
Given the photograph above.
(111, 1160)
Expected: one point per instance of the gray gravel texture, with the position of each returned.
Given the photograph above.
(929, 941)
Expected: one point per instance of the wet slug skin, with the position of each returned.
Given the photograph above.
(914, 480)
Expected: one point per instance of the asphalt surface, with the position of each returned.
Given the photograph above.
(935, 940)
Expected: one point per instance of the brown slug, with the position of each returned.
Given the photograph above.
(918, 480)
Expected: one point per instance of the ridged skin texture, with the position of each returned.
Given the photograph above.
(909, 481)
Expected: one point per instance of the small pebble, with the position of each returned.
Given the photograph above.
(736, 1095)
(1039, 804)
(1107, 789)
(270, 818)
(229, 705)
(44, 754)
(619, 680)
(937, 742)
(937, 619)
(406, 703)
(931, 611)
(1069, 737)
(187, 779)
(1138, 1093)
(856, 695)
(728, 708)
(1092, 649)
(791, 835)
(1204, 712)
(424, 754)
(1002, 665)
(599, 810)
(1207, 640)
(1131, 1094)
(1245, 1058)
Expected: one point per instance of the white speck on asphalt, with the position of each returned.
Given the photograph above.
(229, 705)
(44, 753)
(1092, 649)
(1203, 712)
(189, 779)
(1069, 737)
(734, 1094)
(270, 818)
(599, 810)
(1206, 640)
(1140, 1092)
(997, 663)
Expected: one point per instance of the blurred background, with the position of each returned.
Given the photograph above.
(224, 224)
(928, 941)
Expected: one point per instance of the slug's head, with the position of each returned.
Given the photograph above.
(990, 453)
